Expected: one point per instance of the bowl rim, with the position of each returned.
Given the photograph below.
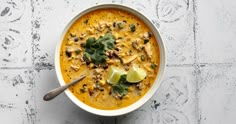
(148, 94)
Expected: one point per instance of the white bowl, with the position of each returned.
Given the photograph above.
(151, 91)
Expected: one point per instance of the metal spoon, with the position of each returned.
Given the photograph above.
(53, 93)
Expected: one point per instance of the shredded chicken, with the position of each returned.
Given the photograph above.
(148, 50)
(91, 30)
(129, 59)
(75, 67)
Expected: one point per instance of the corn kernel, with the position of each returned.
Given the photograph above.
(70, 42)
(102, 82)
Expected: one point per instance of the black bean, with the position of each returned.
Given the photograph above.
(105, 66)
(76, 39)
(68, 53)
(87, 62)
(149, 34)
(117, 49)
(82, 44)
(114, 24)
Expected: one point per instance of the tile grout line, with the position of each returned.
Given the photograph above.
(32, 31)
(12, 68)
(197, 70)
(33, 61)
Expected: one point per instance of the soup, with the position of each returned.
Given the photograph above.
(117, 52)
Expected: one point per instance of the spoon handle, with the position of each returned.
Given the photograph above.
(55, 92)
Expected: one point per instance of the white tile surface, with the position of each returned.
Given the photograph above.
(217, 96)
(15, 34)
(216, 31)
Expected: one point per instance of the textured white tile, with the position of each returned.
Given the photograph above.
(216, 30)
(15, 34)
(176, 26)
(174, 103)
(217, 96)
(51, 21)
(16, 93)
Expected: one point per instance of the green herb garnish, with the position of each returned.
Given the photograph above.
(96, 49)
(86, 21)
(77, 51)
(120, 38)
(142, 57)
(72, 34)
(120, 25)
(121, 87)
(82, 89)
(153, 66)
(134, 45)
(132, 27)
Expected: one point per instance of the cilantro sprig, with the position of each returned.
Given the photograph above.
(95, 49)
(121, 87)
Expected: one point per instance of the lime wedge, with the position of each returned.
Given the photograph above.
(135, 74)
(114, 74)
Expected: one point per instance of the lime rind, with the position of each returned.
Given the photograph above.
(114, 75)
(136, 74)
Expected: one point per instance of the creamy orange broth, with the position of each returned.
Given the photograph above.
(72, 67)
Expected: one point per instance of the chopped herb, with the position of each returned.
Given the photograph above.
(77, 51)
(108, 30)
(146, 41)
(96, 49)
(82, 89)
(86, 58)
(134, 45)
(97, 84)
(120, 25)
(120, 38)
(121, 60)
(132, 27)
(122, 87)
(123, 79)
(89, 42)
(142, 57)
(153, 66)
(72, 34)
(86, 21)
